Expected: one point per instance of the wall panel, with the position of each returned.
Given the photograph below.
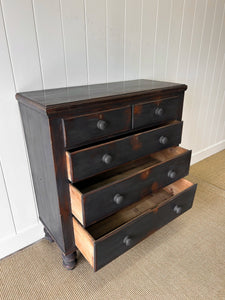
(115, 39)
(73, 22)
(12, 149)
(162, 38)
(133, 13)
(47, 17)
(148, 37)
(5, 211)
(95, 13)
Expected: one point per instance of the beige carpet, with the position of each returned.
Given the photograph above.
(183, 260)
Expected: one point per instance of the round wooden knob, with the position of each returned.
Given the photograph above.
(107, 158)
(163, 140)
(177, 209)
(159, 111)
(127, 241)
(101, 124)
(118, 199)
(172, 174)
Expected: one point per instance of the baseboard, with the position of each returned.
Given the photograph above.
(200, 155)
(23, 239)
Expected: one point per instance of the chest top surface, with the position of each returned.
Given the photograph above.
(55, 100)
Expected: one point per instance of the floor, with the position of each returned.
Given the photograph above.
(183, 260)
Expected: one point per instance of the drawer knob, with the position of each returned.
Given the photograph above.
(118, 199)
(107, 158)
(159, 111)
(163, 140)
(101, 124)
(177, 209)
(172, 174)
(127, 241)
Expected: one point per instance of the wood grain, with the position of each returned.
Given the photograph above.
(84, 242)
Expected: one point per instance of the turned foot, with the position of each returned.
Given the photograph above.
(70, 260)
(47, 236)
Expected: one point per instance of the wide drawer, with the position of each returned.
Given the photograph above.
(96, 198)
(111, 237)
(96, 159)
(92, 127)
(156, 112)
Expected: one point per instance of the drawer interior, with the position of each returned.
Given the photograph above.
(130, 169)
(86, 239)
(148, 203)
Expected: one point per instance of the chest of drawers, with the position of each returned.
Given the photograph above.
(106, 165)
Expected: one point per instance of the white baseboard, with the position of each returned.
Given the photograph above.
(200, 155)
(23, 239)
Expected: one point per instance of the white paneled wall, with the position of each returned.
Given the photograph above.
(56, 43)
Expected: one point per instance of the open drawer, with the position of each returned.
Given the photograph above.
(111, 237)
(88, 162)
(98, 197)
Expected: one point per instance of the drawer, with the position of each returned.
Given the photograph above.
(111, 237)
(156, 112)
(96, 159)
(92, 127)
(96, 198)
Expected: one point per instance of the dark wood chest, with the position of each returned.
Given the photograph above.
(106, 165)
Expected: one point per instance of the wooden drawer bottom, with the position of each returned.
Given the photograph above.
(111, 237)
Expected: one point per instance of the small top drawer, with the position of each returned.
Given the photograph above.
(156, 112)
(92, 127)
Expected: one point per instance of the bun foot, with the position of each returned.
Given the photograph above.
(47, 236)
(70, 260)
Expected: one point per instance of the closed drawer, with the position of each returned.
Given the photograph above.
(156, 112)
(90, 128)
(96, 198)
(93, 160)
(111, 237)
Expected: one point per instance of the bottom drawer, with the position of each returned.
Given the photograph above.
(111, 237)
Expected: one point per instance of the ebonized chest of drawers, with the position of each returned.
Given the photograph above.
(106, 165)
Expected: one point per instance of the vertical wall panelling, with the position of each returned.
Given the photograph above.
(162, 33)
(5, 211)
(132, 38)
(215, 107)
(192, 72)
(149, 21)
(22, 44)
(51, 44)
(49, 31)
(174, 39)
(14, 163)
(115, 39)
(96, 39)
(202, 134)
(202, 71)
(183, 56)
(220, 134)
(73, 24)
(186, 39)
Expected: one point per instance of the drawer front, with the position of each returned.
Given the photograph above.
(147, 114)
(91, 161)
(121, 240)
(89, 128)
(103, 202)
